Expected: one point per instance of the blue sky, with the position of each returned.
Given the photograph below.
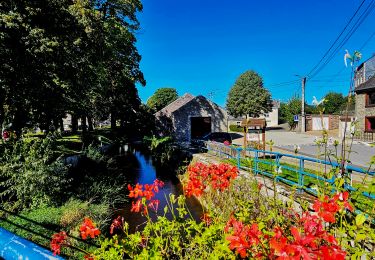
(201, 47)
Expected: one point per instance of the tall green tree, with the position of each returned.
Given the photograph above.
(333, 103)
(161, 98)
(64, 56)
(248, 96)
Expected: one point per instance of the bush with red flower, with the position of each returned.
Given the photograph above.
(238, 221)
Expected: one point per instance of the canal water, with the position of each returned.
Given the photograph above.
(145, 172)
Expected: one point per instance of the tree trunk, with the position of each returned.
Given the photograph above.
(61, 125)
(91, 127)
(83, 124)
(74, 123)
(113, 121)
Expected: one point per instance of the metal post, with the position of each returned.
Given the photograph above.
(238, 158)
(300, 175)
(256, 162)
(303, 122)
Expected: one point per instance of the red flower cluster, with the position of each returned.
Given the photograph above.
(328, 207)
(57, 241)
(310, 241)
(306, 240)
(117, 223)
(88, 229)
(243, 236)
(201, 175)
(147, 191)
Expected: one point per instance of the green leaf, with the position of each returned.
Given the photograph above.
(360, 219)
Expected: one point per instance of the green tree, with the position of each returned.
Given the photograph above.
(161, 98)
(333, 103)
(291, 108)
(248, 96)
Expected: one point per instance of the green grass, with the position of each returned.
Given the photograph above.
(360, 201)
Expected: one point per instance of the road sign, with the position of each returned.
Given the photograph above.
(296, 118)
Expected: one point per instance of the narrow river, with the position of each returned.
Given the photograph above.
(145, 173)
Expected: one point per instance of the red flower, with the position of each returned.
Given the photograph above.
(89, 257)
(117, 223)
(137, 206)
(148, 193)
(88, 229)
(57, 241)
(136, 191)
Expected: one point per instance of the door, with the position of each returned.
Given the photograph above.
(200, 126)
(317, 123)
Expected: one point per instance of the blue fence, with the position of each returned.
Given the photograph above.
(258, 158)
(15, 247)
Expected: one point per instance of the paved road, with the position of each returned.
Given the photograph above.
(360, 155)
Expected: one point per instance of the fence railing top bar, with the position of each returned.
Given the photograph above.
(304, 158)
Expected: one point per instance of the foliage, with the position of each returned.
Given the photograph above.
(31, 175)
(65, 56)
(239, 221)
(236, 128)
(248, 97)
(290, 109)
(334, 103)
(161, 98)
(38, 225)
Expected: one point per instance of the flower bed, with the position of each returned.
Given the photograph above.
(239, 221)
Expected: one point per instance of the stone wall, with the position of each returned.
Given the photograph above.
(198, 107)
(361, 111)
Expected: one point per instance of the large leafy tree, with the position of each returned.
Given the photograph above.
(161, 98)
(248, 97)
(333, 103)
(68, 56)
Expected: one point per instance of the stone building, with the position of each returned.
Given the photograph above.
(365, 96)
(191, 117)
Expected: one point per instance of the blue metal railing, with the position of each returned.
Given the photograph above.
(16, 247)
(255, 155)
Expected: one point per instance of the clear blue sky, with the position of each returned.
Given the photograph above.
(202, 46)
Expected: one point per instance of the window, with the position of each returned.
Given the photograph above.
(371, 99)
(370, 124)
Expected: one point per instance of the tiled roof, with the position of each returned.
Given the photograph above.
(175, 105)
(365, 86)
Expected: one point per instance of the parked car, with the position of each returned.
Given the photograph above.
(219, 137)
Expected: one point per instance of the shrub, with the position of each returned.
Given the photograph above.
(236, 128)
(31, 174)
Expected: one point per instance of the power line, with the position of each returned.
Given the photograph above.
(337, 38)
(367, 41)
(349, 34)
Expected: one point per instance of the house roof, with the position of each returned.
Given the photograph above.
(175, 105)
(366, 86)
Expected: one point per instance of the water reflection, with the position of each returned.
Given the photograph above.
(144, 172)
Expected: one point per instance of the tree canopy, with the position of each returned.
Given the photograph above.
(248, 96)
(64, 56)
(334, 103)
(161, 98)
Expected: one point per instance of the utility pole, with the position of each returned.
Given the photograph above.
(303, 121)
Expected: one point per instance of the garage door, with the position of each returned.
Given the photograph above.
(318, 125)
(200, 126)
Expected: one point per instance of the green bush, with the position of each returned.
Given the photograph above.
(236, 128)
(31, 174)
(38, 225)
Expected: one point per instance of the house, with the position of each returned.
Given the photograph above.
(191, 117)
(365, 96)
(272, 118)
